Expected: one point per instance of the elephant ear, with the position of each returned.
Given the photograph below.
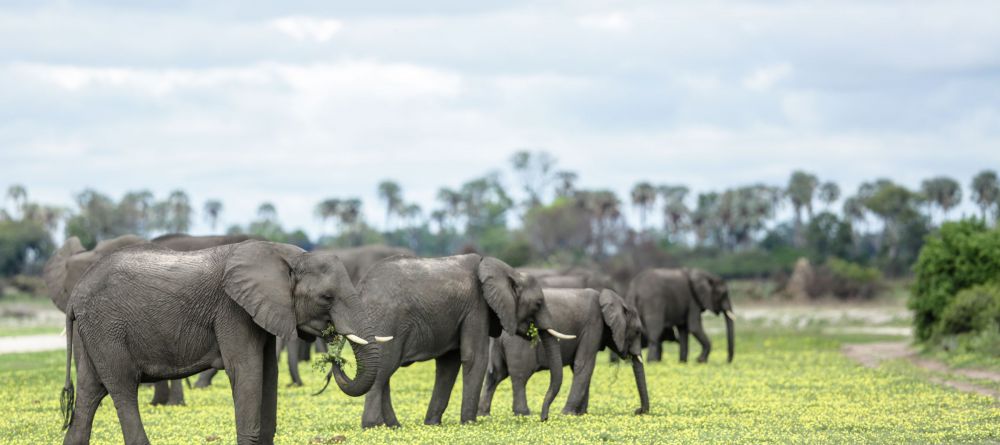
(613, 311)
(258, 277)
(55, 271)
(701, 288)
(498, 285)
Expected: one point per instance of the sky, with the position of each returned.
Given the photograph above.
(252, 101)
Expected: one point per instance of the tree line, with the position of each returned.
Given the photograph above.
(882, 224)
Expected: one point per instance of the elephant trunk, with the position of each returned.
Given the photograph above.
(554, 354)
(366, 356)
(729, 337)
(640, 383)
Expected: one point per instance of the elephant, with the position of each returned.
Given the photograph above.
(146, 313)
(675, 298)
(357, 260)
(599, 319)
(447, 309)
(67, 266)
(572, 278)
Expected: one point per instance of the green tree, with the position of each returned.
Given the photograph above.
(18, 194)
(174, 214)
(943, 192)
(327, 210)
(985, 191)
(267, 211)
(644, 199)
(391, 194)
(213, 210)
(565, 183)
(800, 190)
(829, 193)
(535, 172)
(674, 210)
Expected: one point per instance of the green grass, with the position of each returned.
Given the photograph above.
(12, 331)
(784, 387)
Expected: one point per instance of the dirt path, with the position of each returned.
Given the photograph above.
(32, 343)
(872, 354)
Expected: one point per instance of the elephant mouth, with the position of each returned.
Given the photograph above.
(308, 333)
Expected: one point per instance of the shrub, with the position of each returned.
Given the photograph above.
(964, 254)
(30, 285)
(844, 279)
(975, 309)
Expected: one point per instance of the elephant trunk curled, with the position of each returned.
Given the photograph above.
(554, 354)
(366, 356)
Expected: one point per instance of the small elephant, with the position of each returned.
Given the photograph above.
(67, 266)
(675, 298)
(447, 309)
(146, 313)
(599, 320)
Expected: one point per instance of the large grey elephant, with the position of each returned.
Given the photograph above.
(146, 313)
(357, 260)
(675, 298)
(599, 320)
(67, 266)
(447, 309)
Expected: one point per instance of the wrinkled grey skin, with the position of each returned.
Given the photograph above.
(67, 266)
(571, 278)
(599, 320)
(146, 313)
(446, 309)
(675, 298)
(357, 260)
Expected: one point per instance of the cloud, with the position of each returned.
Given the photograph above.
(608, 21)
(766, 77)
(307, 28)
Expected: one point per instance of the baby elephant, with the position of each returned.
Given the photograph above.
(599, 320)
(146, 313)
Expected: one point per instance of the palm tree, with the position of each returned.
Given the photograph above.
(566, 183)
(534, 170)
(439, 217)
(327, 209)
(800, 190)
(349, 213)
(644, 199)
(941, 191)
(213, 208)
(19, 195)
(829, 193)
(452, 201)
(135, 209)
(267, 212)
(390, 192)
(985, 190)
(179, 208)
(674, 209)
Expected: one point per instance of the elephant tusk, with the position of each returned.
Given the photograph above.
(559, 335)
(639, 357)
(63, 333)
(730, 314)
(357, 339)
(383, 339)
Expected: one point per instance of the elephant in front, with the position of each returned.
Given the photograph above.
(447, 309)
(146, 313)
(599, 319)
(357, 260)
(67, 266)
(676, 298)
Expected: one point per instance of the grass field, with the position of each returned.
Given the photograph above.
(784, 387)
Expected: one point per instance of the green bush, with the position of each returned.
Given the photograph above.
(852, 280)
(964, 254)
(746, 264)
(975, 309)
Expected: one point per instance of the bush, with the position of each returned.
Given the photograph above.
(975, 309)
(746, 264)
(30, 285)
(964, 254)
(845, 280)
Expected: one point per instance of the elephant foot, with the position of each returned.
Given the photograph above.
(482, 412)
(295, 384)
(175, 403)
(522, 412)
(682, 361)
(640, 411)
(467, 421)
(573, 412)
(433, 421)
(702, 359)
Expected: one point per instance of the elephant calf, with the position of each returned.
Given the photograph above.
(599, 320)
(146, 313)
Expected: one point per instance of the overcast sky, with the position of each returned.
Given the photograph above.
(246, 101)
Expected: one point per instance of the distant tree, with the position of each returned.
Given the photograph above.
(452, 201)
(439, 217)
(985, 191)
(565, 183)
(644, 199)
(606, 219)
(854, 209)
(703, 218)
(349, 214)
(800, 190)
(896, 206)
(484, 204)
(267, 212)
(95, 220)
(134, 212)
(18, 194)
(829, 193)
(213, 209)
(174, 214)
(391, 194)
(674, 209)
(535, 172)
(327, 210)
(942, 192)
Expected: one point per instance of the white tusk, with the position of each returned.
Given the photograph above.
(63, 333)
(560, 335)
(357, 339)
(639, 357)
(383, 339)
(730, 314)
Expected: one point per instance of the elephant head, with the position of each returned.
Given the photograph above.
(623, 324)
(712, 294)
(517, 301)
(55, 271)
(290, 292)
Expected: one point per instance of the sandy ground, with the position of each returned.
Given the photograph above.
(872, 354)
(32, 343)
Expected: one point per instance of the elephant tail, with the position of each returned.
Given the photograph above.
(67, 399)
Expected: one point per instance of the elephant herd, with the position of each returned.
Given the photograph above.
(159, 311)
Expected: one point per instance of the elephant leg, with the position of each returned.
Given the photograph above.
(89, 393)
(378, 402)
(445, 374)
(305, 351)
(493, 378)
(321, 347)
(388, 412)
(125, 397)
(654, 328)
(706, 344)
(176, 396)
(682, 341)
(585, 402)
(583, 370)
(247, 382)
(205, 378)
(518, 385)
(294, 354)
(161, 393)
(475, 357)
(269, 395)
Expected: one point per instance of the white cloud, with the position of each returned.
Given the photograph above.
(307, 28)
(763, 78)
(608, 21)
